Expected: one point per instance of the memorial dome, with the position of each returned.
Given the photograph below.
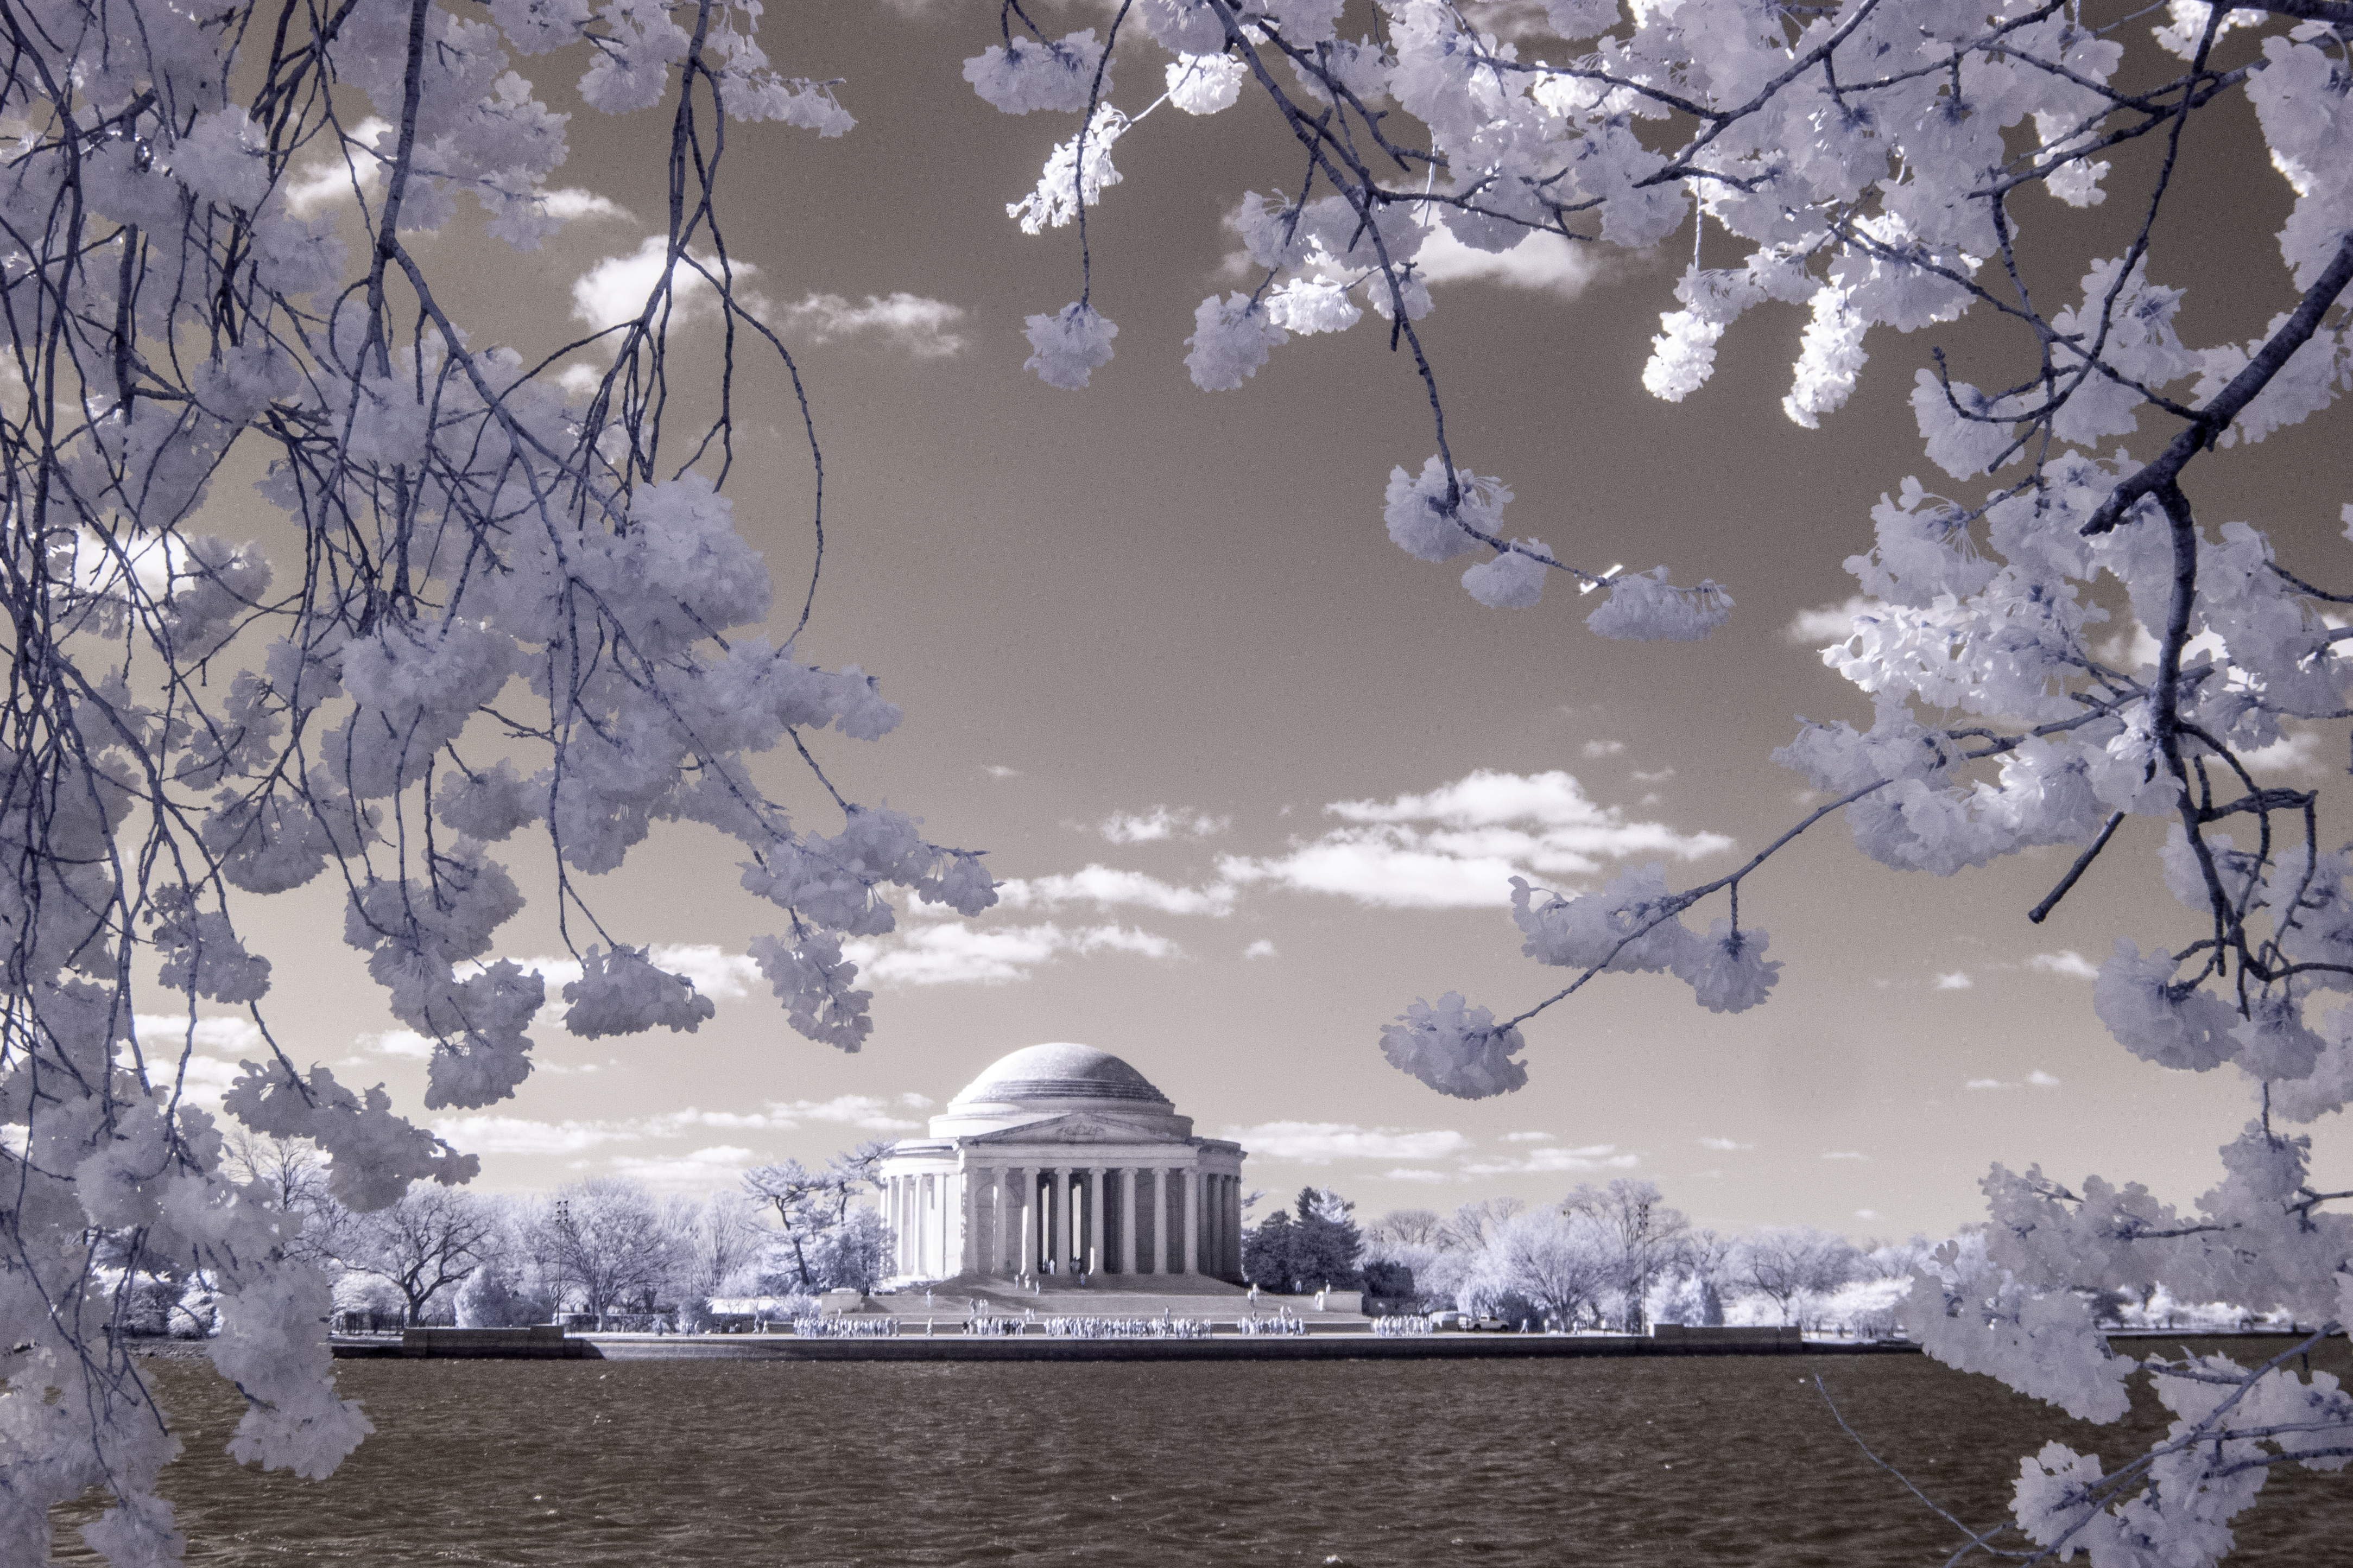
(1038, 1083)
(1055, 1075)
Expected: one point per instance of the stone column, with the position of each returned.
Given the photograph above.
(1127, 1196)
(1233, 1228)
(909, 1222)
(1213, 1209)
(1234, 1211)
(1159, 1220)
(1046, 1210)
(1215, 1212)
(899, 1238)
(1008, 1221)
(1193, 1219)
(1094, 1217)
(1054, 1216)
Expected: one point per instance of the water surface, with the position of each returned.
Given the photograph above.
(1589, 1463)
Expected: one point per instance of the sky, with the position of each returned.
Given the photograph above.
(1253, 779)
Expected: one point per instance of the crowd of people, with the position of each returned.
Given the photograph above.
(1404, 1326)
(1076, 1326)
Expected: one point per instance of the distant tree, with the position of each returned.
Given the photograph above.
(854, 1254)
(291, 1175)
(1328, 1245)
(1268, 1250)
(429, 1240)
(1647, 1234)
(809, 1204)
(497, 1296)
(1404, 1227)
(603, 1244)
(716, 1235)
(1566, 1264)
(1894, 1259)
(1313, 1246)
(1473, 1225)
(1705, 1259)
(1789, 1263)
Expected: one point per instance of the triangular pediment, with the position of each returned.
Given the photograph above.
(1078, 1127)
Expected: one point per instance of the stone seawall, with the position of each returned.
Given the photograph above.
(547, 1341)
(953, 1345)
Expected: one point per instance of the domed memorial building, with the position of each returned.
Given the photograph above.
(1059, 1161)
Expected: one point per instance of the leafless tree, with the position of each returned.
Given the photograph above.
(716, 1235)
(1404, 1227)
(427, 1241)
(603, 1243)
(293, 1175)
(1788, 1263)
(1646, 1230)
(1473, 1225)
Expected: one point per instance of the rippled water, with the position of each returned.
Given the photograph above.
(1583, 1463)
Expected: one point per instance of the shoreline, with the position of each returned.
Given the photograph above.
(956, 1346)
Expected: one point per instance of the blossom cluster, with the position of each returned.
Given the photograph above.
(509, 606)
(1863, 163)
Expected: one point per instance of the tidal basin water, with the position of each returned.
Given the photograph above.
(1732, 1461)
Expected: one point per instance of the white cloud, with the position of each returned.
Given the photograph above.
(572, 202)
(974, 955)
(615, 290)
(854, 1109)
(1261, 948)
(1161, 822)
(1544, 263)
(1827, 624)
(1411, 1174)
(1459, 846)
(328, 179)
(204, 1078)
(1528, 1138)
(1542, 1160)
(999, 770)
(1846, 1155)
(1867, 1213)
(721, 1165)
(719, 974)
(1725, 1145)
(496, 1134)
(1596, 750)
(1484, 798)
(2067, 961)
(673, 1123)
(1104, 887)
(488, 1134)
(1988, 1083)
(1661, 776)
(2041, 1079)
(162, 1034)
(909, 321)
(399, 1043)
(1958, 980)
(2295, 752)
(1321, 1143)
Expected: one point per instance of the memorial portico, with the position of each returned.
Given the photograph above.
(1060, 1160)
